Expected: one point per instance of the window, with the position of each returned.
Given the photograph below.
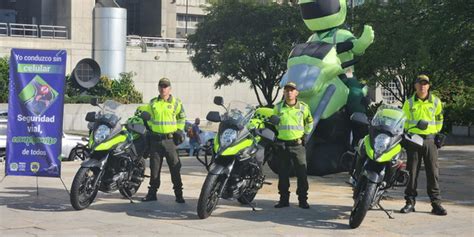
(387, 96)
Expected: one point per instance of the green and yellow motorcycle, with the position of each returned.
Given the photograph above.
(239, 154)
(379, 166)
(113, 162)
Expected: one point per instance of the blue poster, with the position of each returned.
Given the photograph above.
(35, 112)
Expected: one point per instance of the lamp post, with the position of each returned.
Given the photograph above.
(186, 21)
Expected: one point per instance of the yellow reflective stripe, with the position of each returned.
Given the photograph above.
(291, 127)
(414, 122)
(154, 122)
(410, 102)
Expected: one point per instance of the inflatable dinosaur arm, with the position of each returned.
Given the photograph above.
(364, 41)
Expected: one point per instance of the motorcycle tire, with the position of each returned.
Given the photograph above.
(247, 198)
(209, 196)
(77, 153)
(82, 191)
(138, 171)
(362, 203)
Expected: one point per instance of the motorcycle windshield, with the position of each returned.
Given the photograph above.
(304, 76)
(389, 118)
(239, 113)
(234, 124)
(110, 113)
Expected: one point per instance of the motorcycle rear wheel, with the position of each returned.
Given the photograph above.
(83, 191)
(362, 203)
(209, 196)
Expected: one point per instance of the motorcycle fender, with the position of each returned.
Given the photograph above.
(90, 163)
(220, 169)
(373, 176)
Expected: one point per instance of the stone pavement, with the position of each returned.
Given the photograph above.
(24, 213)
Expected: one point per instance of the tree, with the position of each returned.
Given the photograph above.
(122, 90)
(247, 42)
(413, 37)
(4, 77)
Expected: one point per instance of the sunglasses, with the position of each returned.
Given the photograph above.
(162, 86)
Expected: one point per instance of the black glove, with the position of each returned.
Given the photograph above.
(303, 139)
(439, 140)
(178, 137)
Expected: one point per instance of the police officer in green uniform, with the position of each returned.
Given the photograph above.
(167, 121)
(295, 122)
(423, 106)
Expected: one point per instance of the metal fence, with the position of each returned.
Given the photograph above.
(23, 30)
(3, 29)
(33, 31)
(156, 42)
(55, 32)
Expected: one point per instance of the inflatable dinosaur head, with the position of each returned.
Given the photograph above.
(323, 14)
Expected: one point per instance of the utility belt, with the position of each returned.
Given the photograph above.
(161, 136)
(295, 142)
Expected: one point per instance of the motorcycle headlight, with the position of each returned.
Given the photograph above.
(227, 137)
(381, 143)
(101, 133)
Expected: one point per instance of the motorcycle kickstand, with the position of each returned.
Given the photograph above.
(251, 204)
(127, 196)
(385, 210)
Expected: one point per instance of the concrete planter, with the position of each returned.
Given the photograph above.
(466, 131)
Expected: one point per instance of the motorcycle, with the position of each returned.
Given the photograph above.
(113, 162)
(378, 156)
(239, 148)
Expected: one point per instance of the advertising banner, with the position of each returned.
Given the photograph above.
(35, 112)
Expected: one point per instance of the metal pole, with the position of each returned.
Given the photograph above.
(186, 21)
(352, 15)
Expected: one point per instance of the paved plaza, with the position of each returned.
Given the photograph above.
(26, 211)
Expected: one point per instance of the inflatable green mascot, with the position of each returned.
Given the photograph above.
(322, 69)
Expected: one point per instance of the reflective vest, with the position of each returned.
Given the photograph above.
(167, 116)
(295, 121)
(429, 110)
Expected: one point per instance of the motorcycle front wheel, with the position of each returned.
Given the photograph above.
(362, 202)
(83, 191)
(209, 196)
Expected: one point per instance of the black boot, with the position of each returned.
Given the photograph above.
(284, 201)
(151, 195)
(303, 203)
(409, 207)
(438, 209)
(179, 196)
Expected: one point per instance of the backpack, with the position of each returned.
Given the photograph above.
(190, 132)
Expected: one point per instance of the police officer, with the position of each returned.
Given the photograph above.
(295, 122)
(423, 106)
(167, 121)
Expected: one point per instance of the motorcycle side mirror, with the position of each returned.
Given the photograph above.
(274, 119)
(95, 101)
(213, 116)
(266, 133)
(422, 124)
(218, 100)
(145, 116)
(90, 117)
(360, 118)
